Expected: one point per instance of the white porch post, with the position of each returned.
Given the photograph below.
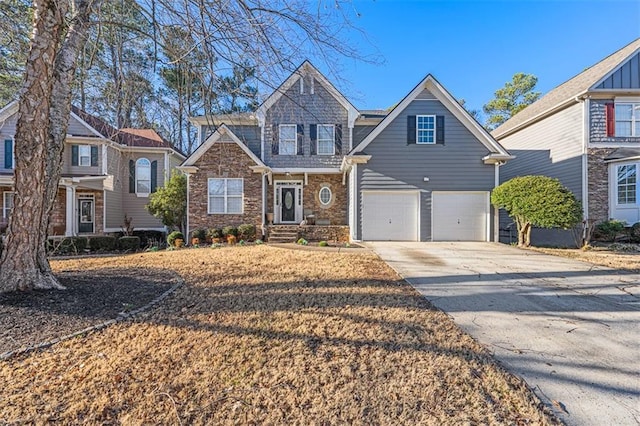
(70, 228)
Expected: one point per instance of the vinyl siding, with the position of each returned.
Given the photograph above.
(455, 166)
(7, 131)
(113, 199)
(296, 108)
(76, 128)
(68, 168)
(626, 76)
(361, 132)
(550, 147)
(249, 135)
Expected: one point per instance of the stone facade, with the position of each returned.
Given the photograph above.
(598, 178)
(335, 213)
(224, 160)
(316, 233)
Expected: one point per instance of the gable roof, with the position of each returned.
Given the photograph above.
(432, 85)
(566, 93)
(215, 137)
(306, 68)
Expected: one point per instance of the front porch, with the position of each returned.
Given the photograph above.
(291, 233)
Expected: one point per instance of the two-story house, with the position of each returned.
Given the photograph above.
(106, 174)
(421, 172)
(586, 133)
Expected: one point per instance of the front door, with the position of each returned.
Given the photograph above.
(288, 213)
(85, 216)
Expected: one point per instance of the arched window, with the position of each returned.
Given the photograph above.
(143, 176)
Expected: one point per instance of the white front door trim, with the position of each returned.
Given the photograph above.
(277, 199)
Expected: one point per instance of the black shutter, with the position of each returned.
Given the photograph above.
(338, 139)
(411, 129)
(74, 155)
(132, 176)
(8, 154)
(154, 176)
(440, 129)
(313, 135)
(300, 139)
(274, 139)
(94, 156)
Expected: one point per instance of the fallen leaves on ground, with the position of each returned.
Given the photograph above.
(264, 335)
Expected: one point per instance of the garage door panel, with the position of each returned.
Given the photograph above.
(460, 216)
(389, 216)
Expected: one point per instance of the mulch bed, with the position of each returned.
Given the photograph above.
(92, 297)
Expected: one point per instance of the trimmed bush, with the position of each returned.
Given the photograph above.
(172, 237)
(214, 233)
(67, 245)
(302, 242)
(200, 234)
(247, 232)
(609, 229)
(129, 243)
(229, 230)
(323, 244)
(102, 243)
(634, 233)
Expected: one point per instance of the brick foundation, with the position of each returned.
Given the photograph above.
(317, 233)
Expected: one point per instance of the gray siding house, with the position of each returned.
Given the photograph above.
(425, 172)
(421, 172)
(586, 133)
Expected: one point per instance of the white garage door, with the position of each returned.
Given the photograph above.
(460, 216)
(390, 216)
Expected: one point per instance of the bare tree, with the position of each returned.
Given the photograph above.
(272, 37)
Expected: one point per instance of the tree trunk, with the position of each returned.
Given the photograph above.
(43, 117)
(524, 234)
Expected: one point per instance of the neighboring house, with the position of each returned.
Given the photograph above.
(586, 133)
(421, 172)
(106, 173)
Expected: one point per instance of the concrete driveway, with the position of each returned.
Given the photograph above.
(570, 329)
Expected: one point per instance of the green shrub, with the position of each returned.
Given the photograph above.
(129, 243)
(323, 244)
(67, 245)
(102, 243)
(214, 233)
(258, 242)
(242, 243)
(247, 232)
(200, 234)
(229, 230)
(302, 242)
(634, 233)
(172, 237)
(609, 229)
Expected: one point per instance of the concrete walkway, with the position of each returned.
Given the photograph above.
(570, 329)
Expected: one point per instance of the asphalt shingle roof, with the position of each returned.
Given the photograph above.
(569, 89)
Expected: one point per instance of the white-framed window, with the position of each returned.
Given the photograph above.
(7, 204)
(426, 129)
(226, 195)
(287, 139)
(325, 195)
(626, 184)
(326, 138)
(627, 118)
(84, 155)
(143, 176)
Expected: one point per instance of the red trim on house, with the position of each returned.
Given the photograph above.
(611, 119)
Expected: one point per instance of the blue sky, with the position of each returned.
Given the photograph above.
(474, 47)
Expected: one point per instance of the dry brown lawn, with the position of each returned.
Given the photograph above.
(264, 335)
(603, 256)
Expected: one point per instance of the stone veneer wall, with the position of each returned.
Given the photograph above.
(335, 212)
(316, 233)
(598, 175)
(224, 160)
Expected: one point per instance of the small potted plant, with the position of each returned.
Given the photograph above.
(197, 237)
(175, 239)
(215, 234)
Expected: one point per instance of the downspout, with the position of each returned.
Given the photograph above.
(264, 200)
(496, 213)
(188, 185)
(586, 123)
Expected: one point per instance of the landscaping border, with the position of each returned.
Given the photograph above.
(122, 316)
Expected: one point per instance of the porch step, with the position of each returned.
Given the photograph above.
(285, 235)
